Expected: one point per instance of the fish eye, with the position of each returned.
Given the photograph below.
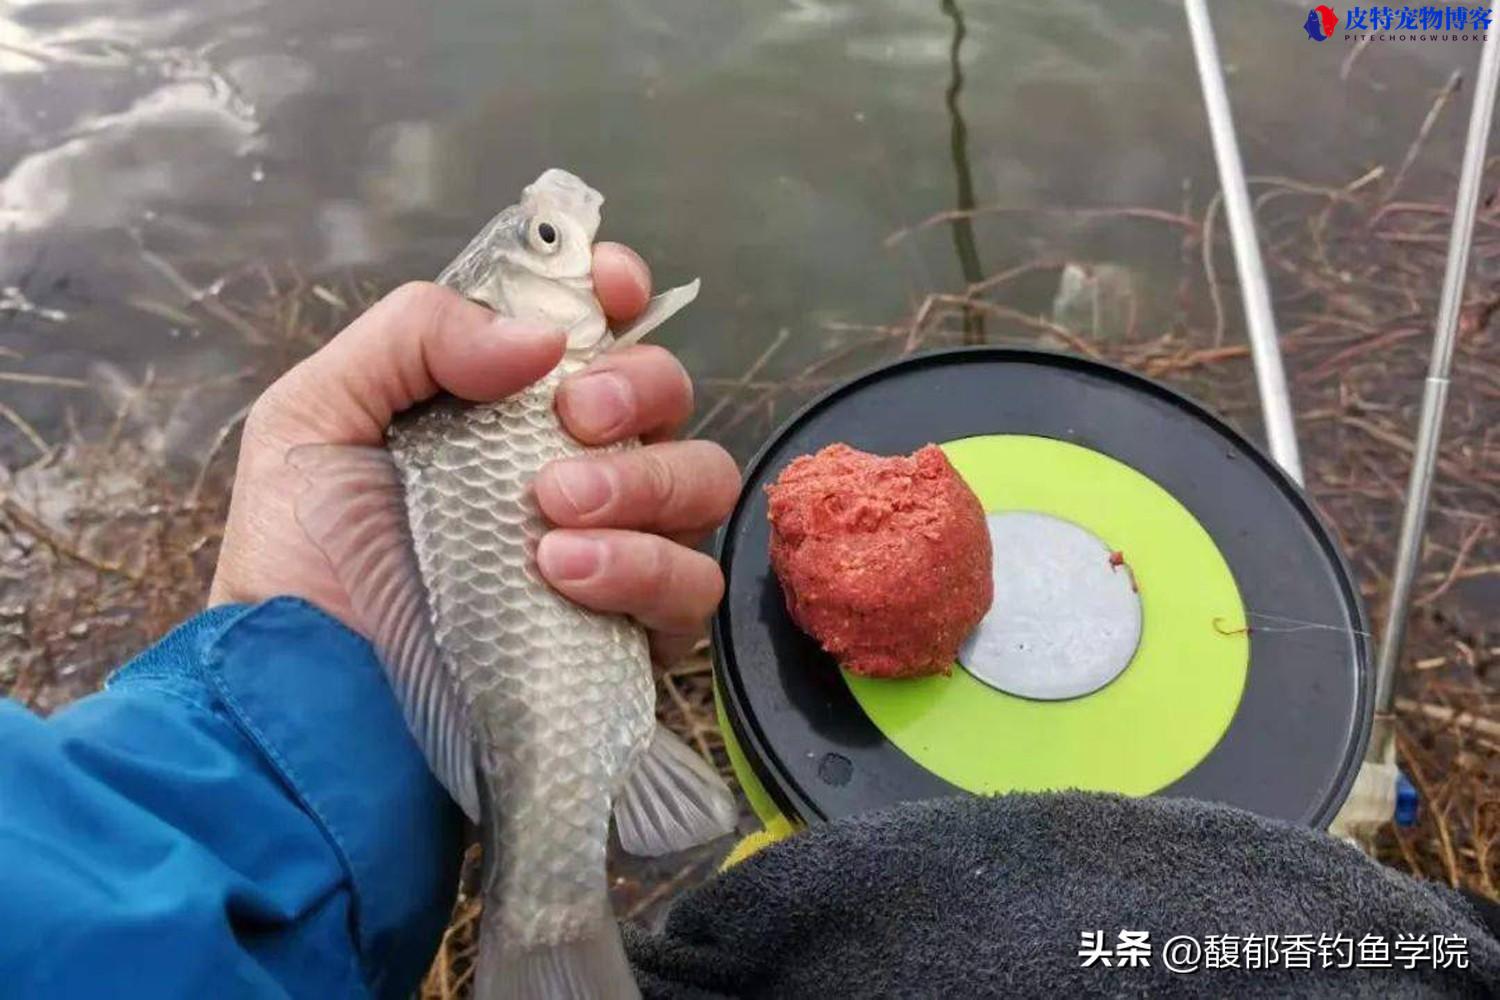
(543, 237)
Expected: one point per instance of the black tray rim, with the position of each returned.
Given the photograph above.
(752, 743)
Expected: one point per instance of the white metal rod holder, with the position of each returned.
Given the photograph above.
(1260, 320)
(1435, 390)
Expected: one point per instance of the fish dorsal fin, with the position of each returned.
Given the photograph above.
(660, 309)
(353, 508)
(672, 800)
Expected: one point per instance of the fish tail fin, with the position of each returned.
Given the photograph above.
(589, 968)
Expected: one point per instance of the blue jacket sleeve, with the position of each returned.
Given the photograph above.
(241, 812)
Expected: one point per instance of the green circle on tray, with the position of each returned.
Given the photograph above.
(1146, 728)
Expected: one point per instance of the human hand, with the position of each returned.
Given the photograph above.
(625, 520)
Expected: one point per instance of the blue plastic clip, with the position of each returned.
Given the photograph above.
(1408, 801)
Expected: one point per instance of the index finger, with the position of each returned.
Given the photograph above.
(640, 391)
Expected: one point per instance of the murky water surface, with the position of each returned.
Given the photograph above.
(157, 153)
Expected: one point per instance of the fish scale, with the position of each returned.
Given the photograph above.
(561, 696)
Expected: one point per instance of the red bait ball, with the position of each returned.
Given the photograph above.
(884, 561)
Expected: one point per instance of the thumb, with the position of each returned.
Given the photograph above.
(416, 341)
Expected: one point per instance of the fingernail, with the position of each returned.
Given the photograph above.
(523, 332)
(568, 558)
(597, 404)
(585, 485)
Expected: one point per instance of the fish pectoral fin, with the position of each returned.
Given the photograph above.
(354, 510)
(672, 800)
(660, 309)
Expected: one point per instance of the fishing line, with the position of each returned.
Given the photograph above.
(1285, 624)
(1263, 623)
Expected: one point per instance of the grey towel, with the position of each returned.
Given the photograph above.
(972, 897)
